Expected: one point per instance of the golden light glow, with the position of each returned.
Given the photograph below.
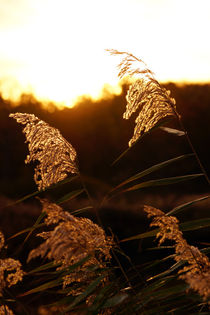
(55, 49)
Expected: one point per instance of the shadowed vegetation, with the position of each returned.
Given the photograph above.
(95, 253)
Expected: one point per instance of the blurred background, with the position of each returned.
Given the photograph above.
(99, 134)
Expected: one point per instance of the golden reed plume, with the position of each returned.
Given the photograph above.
(56, 156)
(72, 240)
(10, 274)
(4, 310)
(2, 240)
(145, 95)
(197, 272)
(10, 270)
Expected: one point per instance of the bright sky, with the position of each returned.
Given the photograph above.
(56, 48)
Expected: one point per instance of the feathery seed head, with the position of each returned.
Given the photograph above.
(15, 273)
(145, 95)
(72, 240)
(197, 272)
(199, 282)
(9, 265)
(56, 156)
(1, 240)
(4, 309)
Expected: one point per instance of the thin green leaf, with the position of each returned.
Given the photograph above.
(100, 299)
(195, 224)
(43, 267)
(185, 205)
(57, 281)
(41, 216)
(164, 293)
(121, 155)
(88, 291)
(186, 304)
(81, 210)
(45, 286)
(158, 261)
(205, 250)
(26, 230)
(116, 300)
(62, 182)
(168, 271)
(155, 285)
(187, 226)
(160, 123)
(32, 228)
(141, 236)
(160, 247)
(167, 307)
(153, 169)
(70, 196)
(74, 266)
(163, 181)
(37, 192)
(128, 149)
(62, 301)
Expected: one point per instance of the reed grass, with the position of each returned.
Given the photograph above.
(78, 268)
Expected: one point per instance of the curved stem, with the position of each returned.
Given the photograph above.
(91, 201)
(191, 145)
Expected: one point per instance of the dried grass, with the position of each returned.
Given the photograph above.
(197, 271)
(145, 95)
(72, 240)
(56, 157)
(10, 274)
(4, 310)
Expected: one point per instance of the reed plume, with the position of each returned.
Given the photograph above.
(10, 274)
(2, 240)
(197, 271)
(72, 240)
(10, 269)
(145, 95)
(56, 157)
(4, 310)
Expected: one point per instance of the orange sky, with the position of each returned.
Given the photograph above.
(56, 48)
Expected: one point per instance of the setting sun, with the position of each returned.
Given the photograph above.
(56, 49)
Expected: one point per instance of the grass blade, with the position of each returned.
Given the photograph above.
(167, 272)
(88, 291)
(32, 228)
(116, 300)
(37, 192)
(186, 205)
(163, 181)
(26, 230)
(45, 286)
(59, 279)
(70, 196)
(187, 226)
(43, 267)
(160, 123)
(153, 169)
(81, 210)
(100, 299)
(195, 224)
(36, 224)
